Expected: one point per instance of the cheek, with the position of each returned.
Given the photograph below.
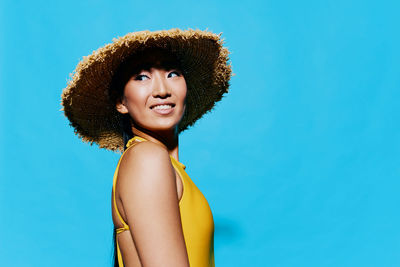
(135, 97)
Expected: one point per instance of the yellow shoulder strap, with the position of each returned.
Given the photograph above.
(125, 226)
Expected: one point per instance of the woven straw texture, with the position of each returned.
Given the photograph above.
(86, 101)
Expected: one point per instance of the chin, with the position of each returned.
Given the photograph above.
(161, 126)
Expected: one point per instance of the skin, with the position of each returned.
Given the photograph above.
(148, 189)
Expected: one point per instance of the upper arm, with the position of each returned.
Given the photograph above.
(147, 189)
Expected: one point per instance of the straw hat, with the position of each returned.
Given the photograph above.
(86, 101)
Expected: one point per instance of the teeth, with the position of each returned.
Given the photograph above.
(163, 107)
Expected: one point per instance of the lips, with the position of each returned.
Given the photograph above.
(162, 106)
(163, 109)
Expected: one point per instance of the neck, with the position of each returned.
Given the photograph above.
(168, 139)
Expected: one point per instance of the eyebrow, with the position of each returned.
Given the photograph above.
(147, 66)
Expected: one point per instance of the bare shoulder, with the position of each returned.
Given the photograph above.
(146, 166)
(145, 154)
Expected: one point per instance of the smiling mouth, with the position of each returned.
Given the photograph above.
(162, 106)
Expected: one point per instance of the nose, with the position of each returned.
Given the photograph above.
(160, 86)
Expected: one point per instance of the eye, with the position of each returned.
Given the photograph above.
(174, 73)
(141, 77)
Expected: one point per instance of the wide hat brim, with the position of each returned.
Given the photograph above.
(86, 101)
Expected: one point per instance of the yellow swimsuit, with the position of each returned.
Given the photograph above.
(196, 217)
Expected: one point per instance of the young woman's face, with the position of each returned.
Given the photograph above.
(155, 95)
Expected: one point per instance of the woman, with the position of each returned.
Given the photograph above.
(137, 94)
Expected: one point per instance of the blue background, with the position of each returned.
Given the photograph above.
(299, 162)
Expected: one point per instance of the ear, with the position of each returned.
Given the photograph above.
(121, 108)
